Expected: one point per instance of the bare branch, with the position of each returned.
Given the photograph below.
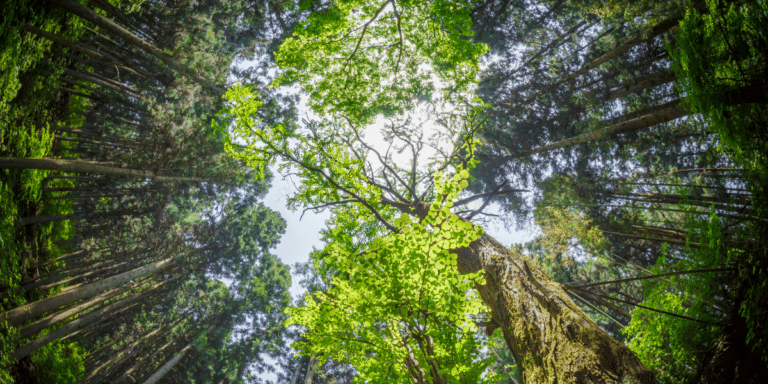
(383, 162)
(488, 194)
(319, 207)
(365, 27)
(400, 32)
(654, 276)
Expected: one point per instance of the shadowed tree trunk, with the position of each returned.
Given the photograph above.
(81, 166)
(74, 325)
(167, 366)
(88, 14)
(29, 311)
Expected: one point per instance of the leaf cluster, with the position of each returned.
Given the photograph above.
(399, 309)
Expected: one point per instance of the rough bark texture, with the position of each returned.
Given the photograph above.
(552, 339)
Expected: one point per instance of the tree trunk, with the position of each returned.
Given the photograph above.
(666, 112)
(29, 311)
(311, 368)
(78, 216)
(103, 81)
(90, 51)
(80, 166)
(556, 42)
(139, 365)
(672, 111)
(552, 339)
(55, 318)
(72, 326)
(167, 366)
(649, 33)
(109, 26)
(647, 82)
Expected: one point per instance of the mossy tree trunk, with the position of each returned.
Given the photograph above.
(552, 339)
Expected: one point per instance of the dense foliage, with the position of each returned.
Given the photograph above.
(631, 135)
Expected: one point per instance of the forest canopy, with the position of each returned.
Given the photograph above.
(139, 139)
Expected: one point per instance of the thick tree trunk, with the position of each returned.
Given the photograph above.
(552, 339)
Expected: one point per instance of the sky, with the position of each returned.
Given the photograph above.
(302, 235)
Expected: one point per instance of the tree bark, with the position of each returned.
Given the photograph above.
(167, 366)
(552, 339)
(29, 311)
(74, 325)
(80, 166)
(86, 13)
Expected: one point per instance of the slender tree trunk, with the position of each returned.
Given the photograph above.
(97, 143)
(650, 81)
(168, 365)
(135, 348)
(109, 26)
(106, 82)
(72, 326)
(119, 15)
(138, 367)
(650, 33)
(90, 51)
(665, 112)
(79, 216)
(64, 314)
(556, 42)
(29, 311)
(65, 278)
(672, 111)
(80, 166)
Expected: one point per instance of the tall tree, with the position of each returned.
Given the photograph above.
(347, 179)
